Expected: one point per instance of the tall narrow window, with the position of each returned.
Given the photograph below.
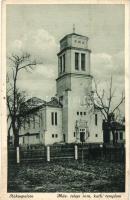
(33, 121)
(28, 122)
(24, 126)
(64, 63)
(52, 118)
(116, 135)
(88, 134)
(76, 61)
(96, 119)
(61, 64)
(64, 137)
(39, 121)
(55, 118)
(82, 61)
(121, 135)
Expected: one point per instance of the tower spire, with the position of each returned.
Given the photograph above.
(73, 28)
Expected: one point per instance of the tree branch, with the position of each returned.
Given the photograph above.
(121, 101)
(27, 65)
(100, 99)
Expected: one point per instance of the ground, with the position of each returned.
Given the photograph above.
(67, 176)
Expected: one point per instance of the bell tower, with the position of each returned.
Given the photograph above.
(73, 60)
(74, 80)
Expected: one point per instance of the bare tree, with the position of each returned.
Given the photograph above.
(15, 98)
(104, 102)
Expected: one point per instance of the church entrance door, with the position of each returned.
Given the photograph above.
(82, 135)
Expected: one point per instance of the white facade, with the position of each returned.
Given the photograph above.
(75, 119)
(53, 133)
(41, 130)
(74, 86)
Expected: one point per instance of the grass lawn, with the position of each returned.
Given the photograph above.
(67, 176)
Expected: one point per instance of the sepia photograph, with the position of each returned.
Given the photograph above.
(65, 98)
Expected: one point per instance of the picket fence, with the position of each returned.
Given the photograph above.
(74, 152)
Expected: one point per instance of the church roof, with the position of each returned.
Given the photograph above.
(71, 34)
(34, 102)
(54, 103)
(37, 103)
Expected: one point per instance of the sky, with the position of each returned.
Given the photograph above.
(37, 29)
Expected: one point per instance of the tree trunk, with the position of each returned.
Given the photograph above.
(8, 137)
(16, 140)
(8, 140)
(16, 136)
(106, 136)
(114, 137)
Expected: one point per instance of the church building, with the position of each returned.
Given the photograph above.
(70, 116)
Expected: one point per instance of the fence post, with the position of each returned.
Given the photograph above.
(18, 155)
(48, 153)
(101, 150)
(76, 152)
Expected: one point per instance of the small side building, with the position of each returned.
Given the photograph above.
(114, 133)
(44, 125)
(119, 134)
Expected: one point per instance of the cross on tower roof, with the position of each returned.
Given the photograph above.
(73, 28)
